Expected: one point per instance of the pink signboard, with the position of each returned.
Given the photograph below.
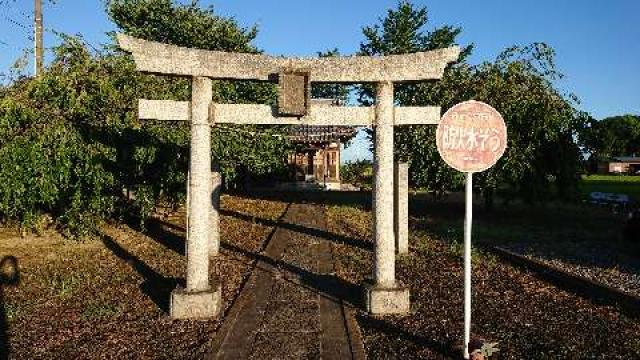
(471, 136)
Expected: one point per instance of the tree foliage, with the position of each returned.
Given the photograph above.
(240, 150)
(542, 158)
(613, 136)
(72, 147)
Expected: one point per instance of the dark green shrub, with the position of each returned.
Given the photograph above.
(358, 173)
(47, 168)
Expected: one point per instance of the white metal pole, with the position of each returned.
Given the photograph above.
(467, 262)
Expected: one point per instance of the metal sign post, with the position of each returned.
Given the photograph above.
(468, 219)
(471, 137)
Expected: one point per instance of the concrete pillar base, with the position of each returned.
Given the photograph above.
(386, 301)
(196, 304)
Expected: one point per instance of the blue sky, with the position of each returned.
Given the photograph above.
(597, 42)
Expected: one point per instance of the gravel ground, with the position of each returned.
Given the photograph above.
(594, 261)
(527, 317)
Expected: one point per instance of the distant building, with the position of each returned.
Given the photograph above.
(620, 165)
(317, 157)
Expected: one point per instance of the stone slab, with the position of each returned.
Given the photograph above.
(386, 301)
(292, 290)
(416, 115)
(335, 335)
(196, 305)
(161, 58)
(293, 93)
(164, 110)
(267, 115)
(258, 114)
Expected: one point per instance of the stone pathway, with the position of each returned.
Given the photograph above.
(292, 306)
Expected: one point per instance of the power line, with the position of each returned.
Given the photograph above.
(15, 22)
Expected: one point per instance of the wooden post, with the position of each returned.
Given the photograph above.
(38, 46)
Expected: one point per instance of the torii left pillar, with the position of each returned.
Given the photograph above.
(201, 298)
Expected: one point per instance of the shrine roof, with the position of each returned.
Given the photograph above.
(320, 134)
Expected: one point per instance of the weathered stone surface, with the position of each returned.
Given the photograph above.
(292, 307)
(385, 258)
(401, 207)
(382, 300)
(168, 59)
(267, 115)
(153, 57)
(416, 115)
(293, 93)
(214, 232)
(199, 188)
(164, 110)
(196, 304)
(258, 114)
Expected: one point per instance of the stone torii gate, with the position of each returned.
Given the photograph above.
(201, 298)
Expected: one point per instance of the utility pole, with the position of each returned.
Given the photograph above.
(38, 51)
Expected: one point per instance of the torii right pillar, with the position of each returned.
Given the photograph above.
(385, 295)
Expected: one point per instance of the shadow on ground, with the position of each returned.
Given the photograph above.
(360, 199)
(301, 229)
(393, 331)
(172, 237)
(9, 276)
(155, 285)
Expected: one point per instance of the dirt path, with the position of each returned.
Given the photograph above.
(293, 306)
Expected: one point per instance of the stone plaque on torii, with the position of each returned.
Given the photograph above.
(201, 298)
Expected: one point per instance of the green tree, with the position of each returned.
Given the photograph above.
(241, 150)
(542, 159)
(613, 136)
(71, 144)
(402, 31)
(191, 25)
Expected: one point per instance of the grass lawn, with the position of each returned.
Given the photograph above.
(629, 185)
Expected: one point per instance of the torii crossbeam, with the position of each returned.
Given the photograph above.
(201, 299)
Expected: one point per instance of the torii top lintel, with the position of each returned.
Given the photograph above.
(161, 58)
